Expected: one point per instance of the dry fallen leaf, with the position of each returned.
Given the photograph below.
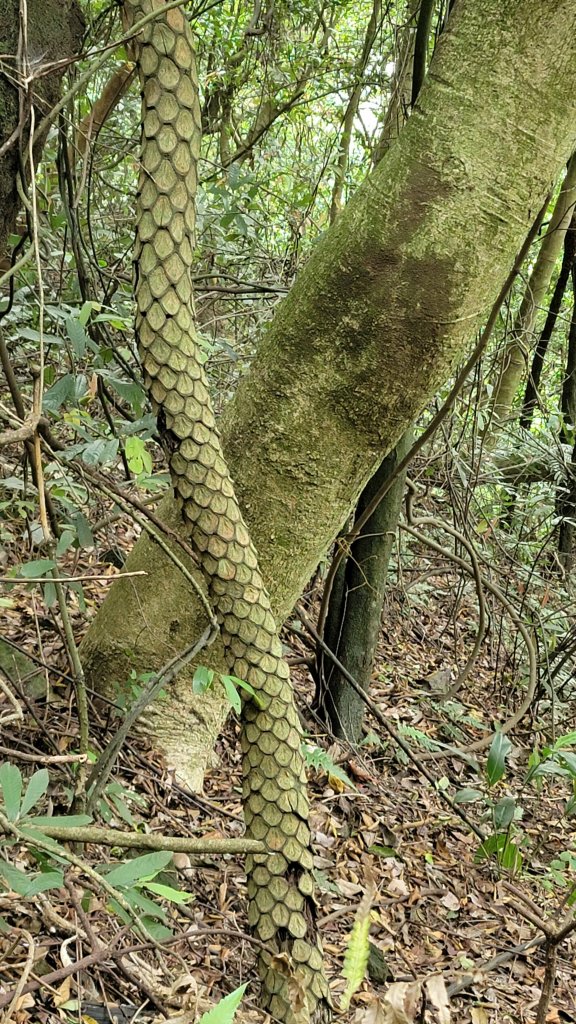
(401, 1004)
(438, 996)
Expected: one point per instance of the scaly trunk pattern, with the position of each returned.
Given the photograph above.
(280, 885)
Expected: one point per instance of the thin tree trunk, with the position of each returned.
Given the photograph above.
(533, 385)
(352, 110)
(513, 362)
(355, 610)
(355, 606)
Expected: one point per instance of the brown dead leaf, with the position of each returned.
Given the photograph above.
(282, 963)
(62, 993)
(438, 997)
(401, 1004)
(478, 1015)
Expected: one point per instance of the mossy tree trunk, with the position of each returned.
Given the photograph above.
(355, 605)
(372, 327)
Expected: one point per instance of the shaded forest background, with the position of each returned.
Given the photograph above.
(442, 814)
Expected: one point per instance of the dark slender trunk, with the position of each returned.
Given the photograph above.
(355, 608)
(533, 384)
(566, 500)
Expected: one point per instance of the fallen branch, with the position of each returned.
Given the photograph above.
(141, 840)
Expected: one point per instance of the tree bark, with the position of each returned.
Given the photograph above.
(513, 362)
(374, 324)
(354, 615)
(533, 383)
(54, 33)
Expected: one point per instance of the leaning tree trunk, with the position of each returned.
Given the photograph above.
(354, 611)
(280, 884)
(374, 324)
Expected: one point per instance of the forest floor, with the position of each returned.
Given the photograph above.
(439, 911)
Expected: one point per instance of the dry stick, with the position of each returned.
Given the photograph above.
(375, 710)
(343, 549)
(109, 953)
(164, 677)
(73, 579)
(15, 999)
(143, 841)
(44, 758)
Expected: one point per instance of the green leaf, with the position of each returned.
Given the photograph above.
(467, 796)
(202, 680)
(64, 390)
(503, 812)
(232, 694)
(139, 868)
(61, 820)
(100, 452)
(168, 893)
(224, 1011)
(243, 685)
(43, 882)
(569, 760)
(11, 784)
(496, 766)
(78, 336)
(39, 567)
(83, 531)
(35, 790)
(137, 455)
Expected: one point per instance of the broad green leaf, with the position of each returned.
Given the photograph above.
(137, 455)
(100, 452)
(18, 881)
(467, 796)
(65, 541)
(83, 531)
(496, 765)
(232, 694)
(568, 759)
(43, 882)
(39, 567)
(202, 680)
(568, 740)
(168, 893)
(139, 868)
(78, 336)
(503, 812)
(64, 390)
(37, 786)
(61, 820)
(224, 1011)
(11, 784)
